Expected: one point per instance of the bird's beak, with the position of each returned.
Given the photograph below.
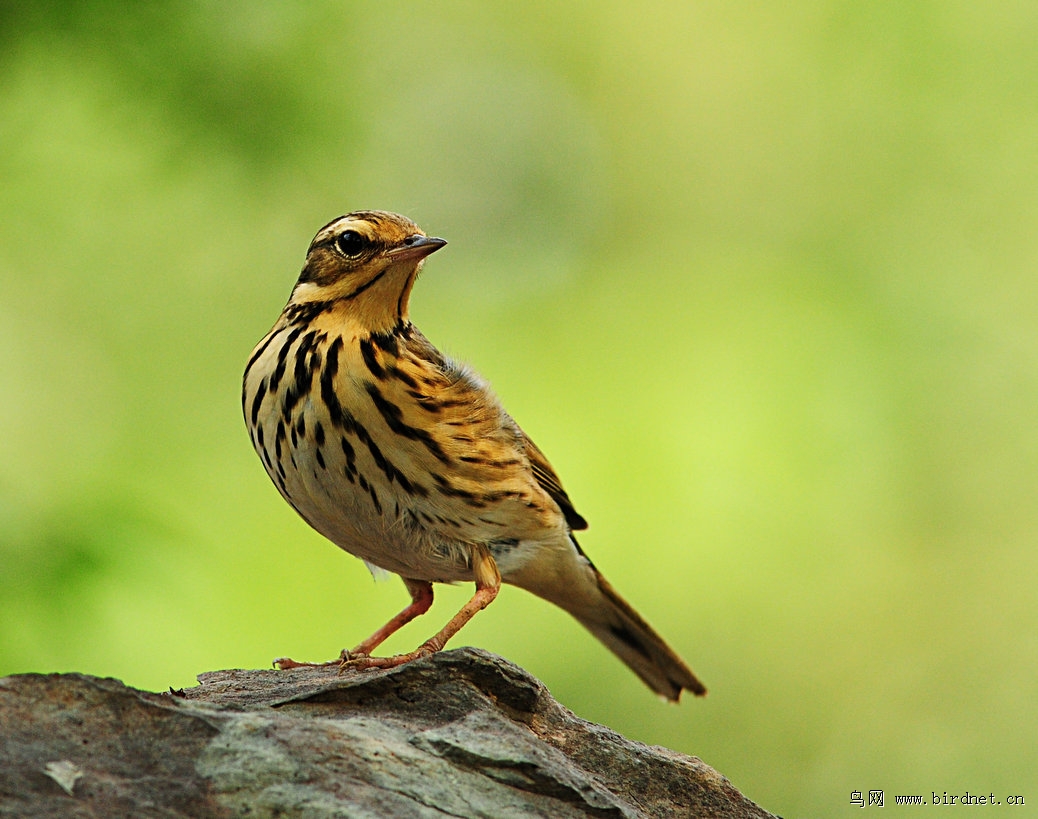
(416, 247)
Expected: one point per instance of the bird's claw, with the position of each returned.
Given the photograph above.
(363, 662)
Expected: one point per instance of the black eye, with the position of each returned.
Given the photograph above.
(350, 243)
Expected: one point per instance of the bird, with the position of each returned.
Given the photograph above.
(406, 459)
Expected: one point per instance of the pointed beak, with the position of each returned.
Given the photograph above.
(416, 247)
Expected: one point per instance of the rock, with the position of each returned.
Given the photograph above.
(461, 733)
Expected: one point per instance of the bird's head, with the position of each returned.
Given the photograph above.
(368, 261)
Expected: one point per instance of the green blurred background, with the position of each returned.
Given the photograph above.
(759, 278)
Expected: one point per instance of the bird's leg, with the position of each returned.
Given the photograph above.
(421, 599)
(488, 583)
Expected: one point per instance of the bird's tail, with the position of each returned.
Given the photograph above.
(623, 631)
(577, 586)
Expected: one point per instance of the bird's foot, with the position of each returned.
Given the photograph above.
(285, 663)
(363, 662)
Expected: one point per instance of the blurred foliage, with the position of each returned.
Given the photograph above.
(760, 280)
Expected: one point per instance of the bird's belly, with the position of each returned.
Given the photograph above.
(345, 514)
(380, 503)
(345, 493)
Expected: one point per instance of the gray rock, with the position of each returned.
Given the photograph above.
(462, 733)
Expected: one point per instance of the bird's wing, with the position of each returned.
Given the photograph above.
(550, 483)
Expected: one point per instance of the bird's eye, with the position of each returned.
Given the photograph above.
(350, 243)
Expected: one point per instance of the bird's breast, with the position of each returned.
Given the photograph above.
(391, 453)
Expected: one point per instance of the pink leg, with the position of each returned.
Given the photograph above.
(488, 583)
(421, 599)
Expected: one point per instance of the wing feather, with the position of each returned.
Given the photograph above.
(550, 483)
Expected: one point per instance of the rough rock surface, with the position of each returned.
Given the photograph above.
(463, 733)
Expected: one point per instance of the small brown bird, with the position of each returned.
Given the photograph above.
(407, 460)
